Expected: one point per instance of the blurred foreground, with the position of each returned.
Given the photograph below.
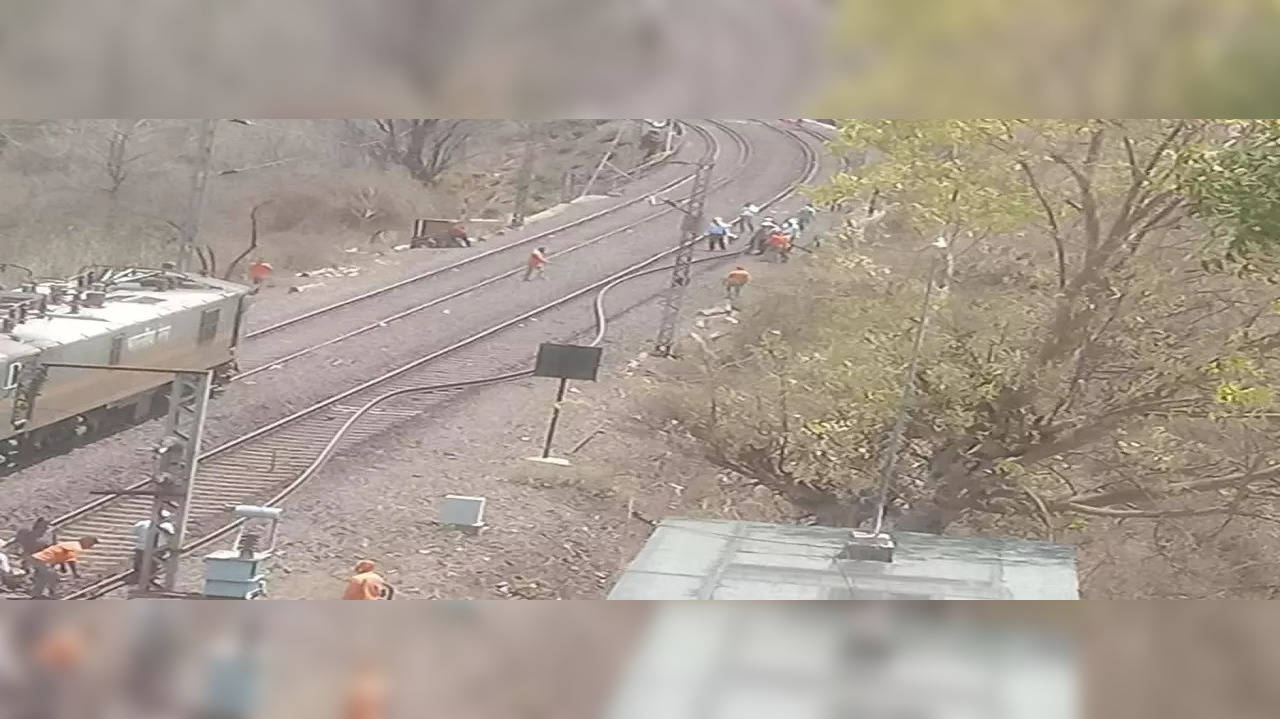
(619, 660)
(579, 58)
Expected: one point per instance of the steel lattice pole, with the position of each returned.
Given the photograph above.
(174, 474)
(523, 179)
(691, 231)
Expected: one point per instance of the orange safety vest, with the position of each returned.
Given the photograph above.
(260, 271)
(779, 240)
(58, 553)
(739, 277)
(365, 585)
(537, 260)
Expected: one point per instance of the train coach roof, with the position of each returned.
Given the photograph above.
(127, 306)
(11, 350)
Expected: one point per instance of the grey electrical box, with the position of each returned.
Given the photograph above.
(462, 511)
(228, 574)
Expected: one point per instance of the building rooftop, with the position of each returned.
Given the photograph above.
(716, 559)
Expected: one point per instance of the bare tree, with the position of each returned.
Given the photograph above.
(117, 160)
(253, 240)
(430, 146)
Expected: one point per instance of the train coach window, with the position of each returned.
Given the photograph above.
(208, 326)
(11, 376)
(117, 349)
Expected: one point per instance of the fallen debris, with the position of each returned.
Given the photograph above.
(331, 272)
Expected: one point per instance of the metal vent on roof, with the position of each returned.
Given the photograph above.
(868, 547)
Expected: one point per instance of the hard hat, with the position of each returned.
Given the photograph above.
(165, 514)
(718, 220)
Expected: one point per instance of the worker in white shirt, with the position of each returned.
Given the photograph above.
(141, 529)
(806, 215)
(746, 220)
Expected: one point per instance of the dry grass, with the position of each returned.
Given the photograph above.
(323, 190)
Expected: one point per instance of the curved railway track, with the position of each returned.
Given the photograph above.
(269, 463)
(276, 327)
(339, 312)
(260, 362)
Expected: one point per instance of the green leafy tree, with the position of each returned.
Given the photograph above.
(1234, 186)
(1085, 363)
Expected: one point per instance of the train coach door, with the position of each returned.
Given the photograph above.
(208, 326)
(117, 349)
(235, 329)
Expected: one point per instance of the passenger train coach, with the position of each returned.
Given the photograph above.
(130, 317)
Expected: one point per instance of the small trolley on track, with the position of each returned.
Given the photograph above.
(437, 233)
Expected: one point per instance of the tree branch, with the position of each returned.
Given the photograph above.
(1044, 511)
(1054, 229)
(1088, 203)
(1173, 489)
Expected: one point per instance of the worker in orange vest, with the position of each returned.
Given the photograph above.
(737, 279)
(367, 584)
(780, 245)
(259, 271)
(537, 261)
(64, 555)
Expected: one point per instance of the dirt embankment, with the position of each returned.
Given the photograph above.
(118, 192)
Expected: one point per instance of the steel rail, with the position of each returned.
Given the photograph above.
(275, 363)
(603, 286)
(275, 327)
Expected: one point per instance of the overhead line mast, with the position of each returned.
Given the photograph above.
(673, 298)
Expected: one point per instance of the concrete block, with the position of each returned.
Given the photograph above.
(462, 511)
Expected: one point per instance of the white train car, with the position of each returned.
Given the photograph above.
(126, 317)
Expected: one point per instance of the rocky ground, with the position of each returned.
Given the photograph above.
(552, 532)
(61, 483)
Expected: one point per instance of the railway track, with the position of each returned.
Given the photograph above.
(261, 349)
(255, 361)
(276, 327)
(266, 465)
